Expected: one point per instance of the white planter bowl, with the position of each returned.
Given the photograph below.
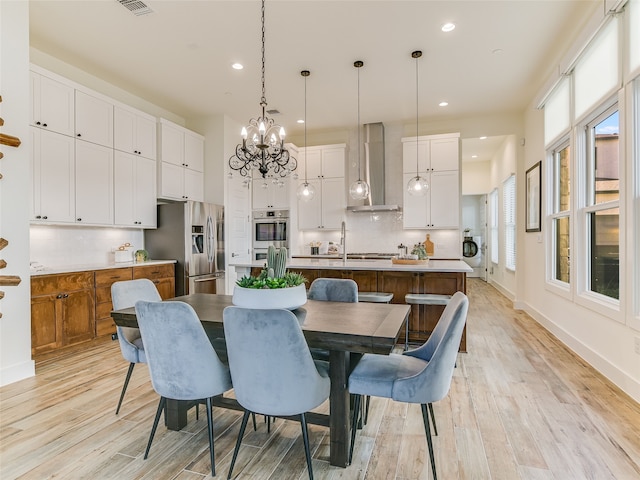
(265, 298)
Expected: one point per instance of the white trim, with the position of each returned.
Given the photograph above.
(16, 372)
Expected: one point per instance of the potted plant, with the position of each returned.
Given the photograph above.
(275, 287)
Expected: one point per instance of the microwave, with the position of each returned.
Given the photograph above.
(270, 227)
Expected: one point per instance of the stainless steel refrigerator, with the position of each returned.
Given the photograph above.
(193, 234)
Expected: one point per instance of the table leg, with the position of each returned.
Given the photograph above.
(176, 414)
(339, 408)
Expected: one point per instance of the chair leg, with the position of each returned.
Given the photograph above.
(161, 406)
(305, 438)
(126, 383)
(427, 430)
(354, 425)
(253, 416)
(243, 426)
(366, 408)
(210, 428)
(433, 419)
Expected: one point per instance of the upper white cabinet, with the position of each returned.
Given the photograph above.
(94, 119)
(134, 190)
(325, 166)
(180, 163)
(436, 158)
(94, 184)
(134, 132)
(53, 187)
(52, 104)
(267, 194)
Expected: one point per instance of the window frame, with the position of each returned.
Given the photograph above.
(510, 221)
(494, 226)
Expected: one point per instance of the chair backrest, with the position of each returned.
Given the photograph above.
(125, 294)
(271, 366)
(182, 362)
(433, 382)
(333, 290)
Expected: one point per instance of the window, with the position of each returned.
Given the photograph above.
(602, 204)
(561, 212)
(509, 208)
(493, 205)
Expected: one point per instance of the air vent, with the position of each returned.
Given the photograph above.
(273, 112)
(136, 7)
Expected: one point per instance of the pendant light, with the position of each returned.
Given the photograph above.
(359, 189)
(305, 191)
(418, 185)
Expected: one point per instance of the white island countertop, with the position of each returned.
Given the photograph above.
(85, 267)
(378, 265)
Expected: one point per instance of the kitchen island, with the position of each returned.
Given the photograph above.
(436, 276)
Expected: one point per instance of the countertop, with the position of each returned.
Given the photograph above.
(333, 264)
(96, 266)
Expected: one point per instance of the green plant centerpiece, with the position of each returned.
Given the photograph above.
(275, 287)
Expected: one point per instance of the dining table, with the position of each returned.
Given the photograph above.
(346, 330)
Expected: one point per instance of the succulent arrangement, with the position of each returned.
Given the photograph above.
(274, 274)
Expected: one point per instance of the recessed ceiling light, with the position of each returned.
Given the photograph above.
(447, 27)
(483, 138)
(237, 66)
(443, 104)
(301, 121)
(497, 51)
(474, 156)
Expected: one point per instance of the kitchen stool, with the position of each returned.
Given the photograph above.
(375, 297)
(423, 299)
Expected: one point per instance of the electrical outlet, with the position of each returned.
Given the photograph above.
(637, 345)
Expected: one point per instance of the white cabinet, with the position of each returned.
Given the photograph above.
(94, 119)
(438, 161)
(325, 172)
(134, 132)
(267, 194)
(180, 163)
(134, 190)
(94, 184)
(53, 177)
(52, 104)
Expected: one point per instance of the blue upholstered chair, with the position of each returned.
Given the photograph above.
(333, 290)
(419, 376)
(182, 362)
(124, 295)
(272, 369)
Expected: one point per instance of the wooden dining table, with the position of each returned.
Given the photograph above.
(346, 330)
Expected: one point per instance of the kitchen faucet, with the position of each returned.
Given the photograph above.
(343, 241)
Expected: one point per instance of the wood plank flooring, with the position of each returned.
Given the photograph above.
(521, 406)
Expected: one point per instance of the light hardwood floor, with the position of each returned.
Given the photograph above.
(521, 406)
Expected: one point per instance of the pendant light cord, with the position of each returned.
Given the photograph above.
(263, 100)
(305, 74)
(358, 64)
(416, 56)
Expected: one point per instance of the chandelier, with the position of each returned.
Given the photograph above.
(262, 146)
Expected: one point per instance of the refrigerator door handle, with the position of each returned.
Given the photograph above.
(210, 239)
(202, 280)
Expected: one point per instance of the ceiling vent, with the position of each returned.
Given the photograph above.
(136, 7)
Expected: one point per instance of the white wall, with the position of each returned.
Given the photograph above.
(476, 178)
(15, 324)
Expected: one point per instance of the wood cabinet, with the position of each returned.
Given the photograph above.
(94, 119)
(104, 279)
(52, 104)
(134, 190)
(53, 197)
(162, 275)
(437, 159)
(325, 172)
(423, 318)
(180, 163)
(134, 132)
(62, 310)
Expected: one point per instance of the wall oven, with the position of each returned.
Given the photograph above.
(269, 227)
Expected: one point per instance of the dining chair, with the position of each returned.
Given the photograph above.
(272, 369)
(182, 362)
(333, 290)
(125, 294)
(422, 375)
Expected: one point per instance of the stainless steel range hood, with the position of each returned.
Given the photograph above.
(374, 172)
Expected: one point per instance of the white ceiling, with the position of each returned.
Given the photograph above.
(179, 57)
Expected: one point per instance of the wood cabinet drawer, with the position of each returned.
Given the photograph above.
(65, 282)
(103, 310)
(154, 271)
(107, 277)
(103, 294)
(105, 326)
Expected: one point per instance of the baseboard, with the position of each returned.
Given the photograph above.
(620, 378)
(17, 372)
(510, 295)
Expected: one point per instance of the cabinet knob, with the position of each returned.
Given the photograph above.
(45, 217)
(38, 123)
(38, 216)
(59, 295)
(44, 125)
(79, 135)
(79, 219)
(66, 295)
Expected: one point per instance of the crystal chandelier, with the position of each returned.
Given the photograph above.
(359, 190)
(305, 191)
(418, 185)
(262, 146)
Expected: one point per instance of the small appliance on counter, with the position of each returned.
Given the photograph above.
(123, 253)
